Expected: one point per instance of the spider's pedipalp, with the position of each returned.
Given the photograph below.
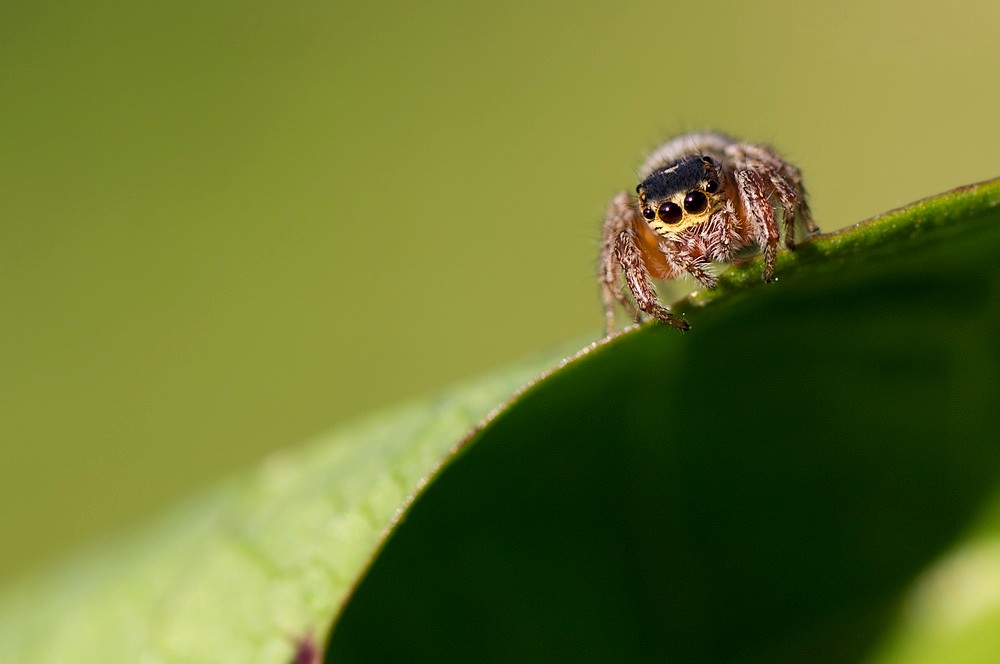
(693, 260)
(723, 232)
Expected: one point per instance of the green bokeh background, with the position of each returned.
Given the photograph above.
(226, 227)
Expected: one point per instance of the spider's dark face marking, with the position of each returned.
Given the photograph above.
(681, 177)
(679, 196)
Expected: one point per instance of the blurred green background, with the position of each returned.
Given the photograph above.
(226, 227)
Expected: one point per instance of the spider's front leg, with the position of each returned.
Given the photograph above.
(618, 219)
(629, 255)
(757, 207)
(637, 276)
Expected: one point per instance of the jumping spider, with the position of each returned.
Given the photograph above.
(702, 197)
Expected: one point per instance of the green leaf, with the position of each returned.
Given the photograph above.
(811, 474)
(243, 572)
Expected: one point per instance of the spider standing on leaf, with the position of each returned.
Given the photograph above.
(702, 197)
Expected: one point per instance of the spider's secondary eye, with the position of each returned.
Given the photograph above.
(695, 202)
(671, 213)
(648, 214)
(712, 186)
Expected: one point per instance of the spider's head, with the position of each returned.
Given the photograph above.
(678, 197)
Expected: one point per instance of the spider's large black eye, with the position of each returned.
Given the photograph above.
(670, 213)
(695, 202)
(712, 186)
(648, 214)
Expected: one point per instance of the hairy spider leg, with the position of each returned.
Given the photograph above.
(757, 209)
(616, 220)
(628, 254)
(787, 181)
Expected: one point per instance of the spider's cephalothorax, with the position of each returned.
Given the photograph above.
(703, 197)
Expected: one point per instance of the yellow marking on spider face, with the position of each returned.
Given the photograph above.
(686, 222)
